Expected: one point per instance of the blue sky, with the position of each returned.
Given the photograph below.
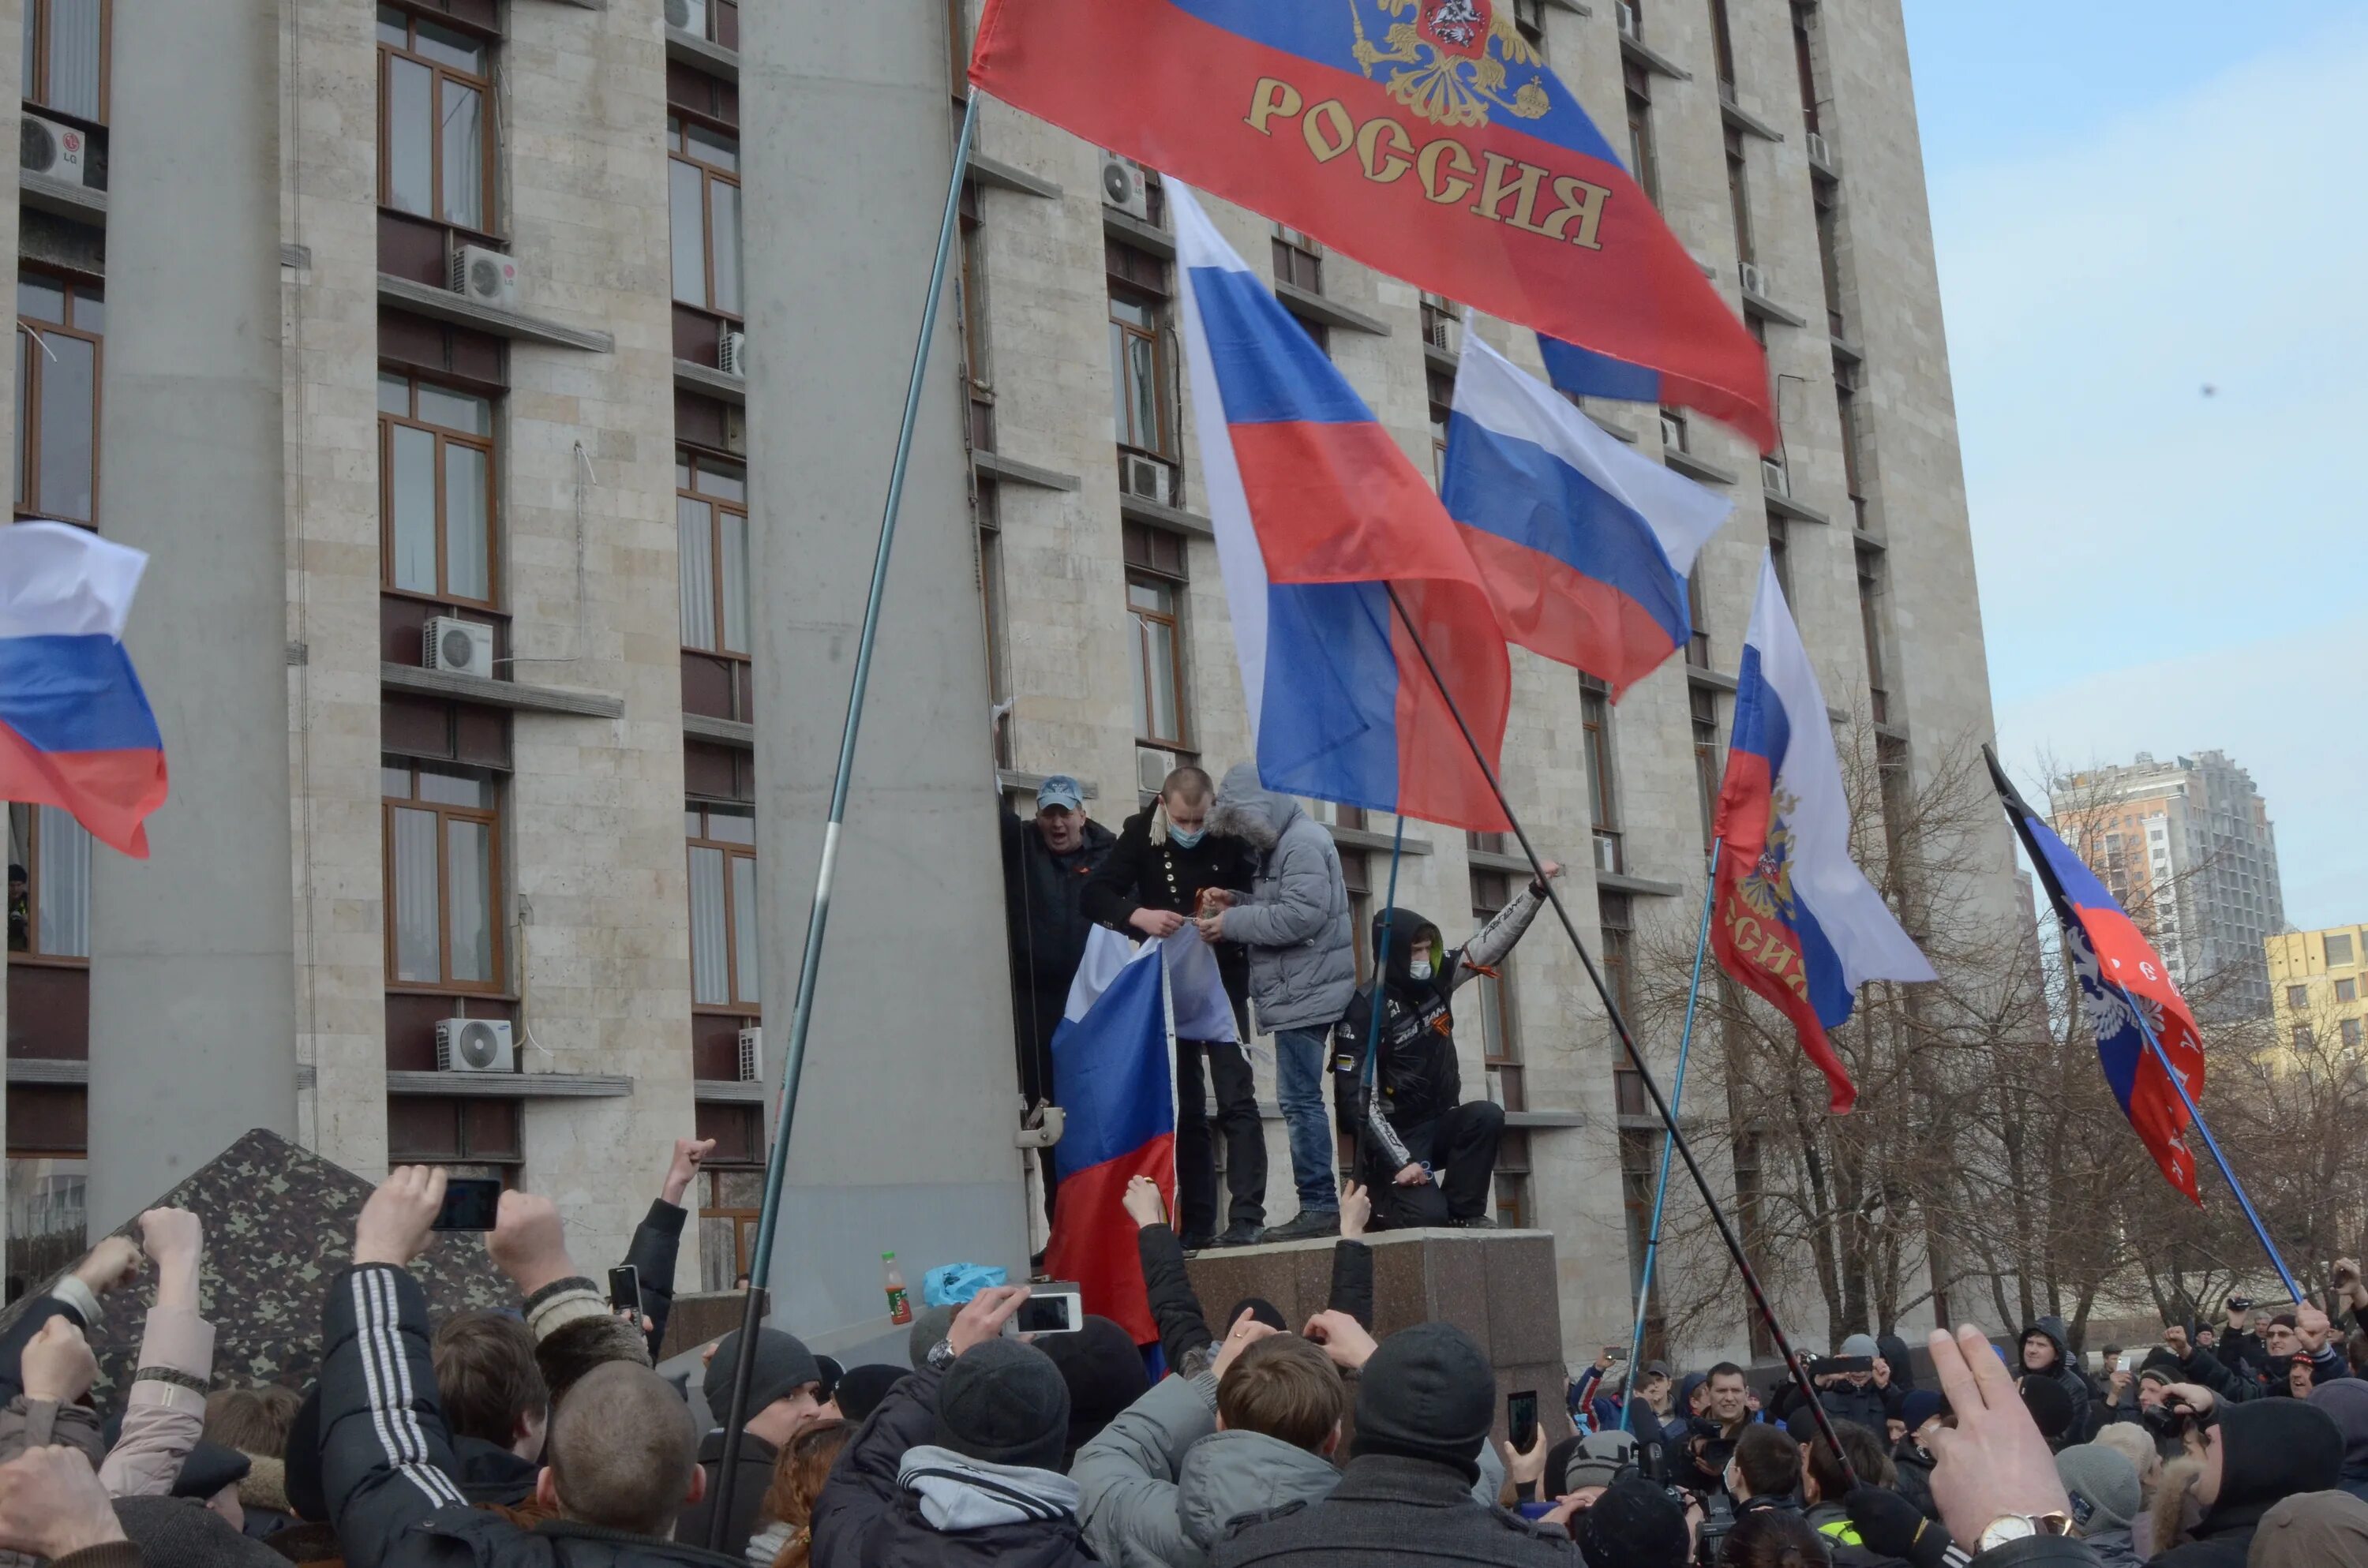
(2133, 202)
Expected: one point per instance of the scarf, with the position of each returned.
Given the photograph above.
(962, 1493)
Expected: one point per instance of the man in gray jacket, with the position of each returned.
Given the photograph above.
(1295, 921)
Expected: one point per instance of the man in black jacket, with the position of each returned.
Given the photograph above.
(1148, 885)
(786, 1395)
(619, 1457)
(1427, 1156)
(1046, 863)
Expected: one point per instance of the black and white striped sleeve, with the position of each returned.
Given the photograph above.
(386, 1455)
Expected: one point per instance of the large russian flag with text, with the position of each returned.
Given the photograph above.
(1584, 544)
(75, 728)
(1114, 1077)
(1795, 919)
(1426, 137)
(1319, 517)
(2125, 994)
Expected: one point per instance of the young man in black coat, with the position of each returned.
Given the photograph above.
(1149, 885)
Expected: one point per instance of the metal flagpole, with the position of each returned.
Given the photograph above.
(818, 918)
(1752, 1285)
(1677, 1098)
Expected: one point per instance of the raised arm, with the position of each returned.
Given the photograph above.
(164, 1413)
(657, 1239)
(1184, 1332)
(1489, 944)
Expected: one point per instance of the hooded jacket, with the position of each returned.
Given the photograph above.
(1294, 917)
(2346, 1400)
(1416, 1079)
(2078, 1388)
(2270, 1450)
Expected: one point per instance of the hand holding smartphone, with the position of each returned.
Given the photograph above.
(1521, 1420)
(471, 1203)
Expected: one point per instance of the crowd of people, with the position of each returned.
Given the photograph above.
(1262, 881)
(544, 1436)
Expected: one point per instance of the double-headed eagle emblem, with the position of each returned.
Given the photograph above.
(1454, 59)
(1767, 889)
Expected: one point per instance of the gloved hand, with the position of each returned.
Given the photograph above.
(1893, 1527)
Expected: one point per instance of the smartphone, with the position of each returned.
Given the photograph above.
(2240, 1303)
(625, 1293)
(469, 1203)
(2129, 1361)
(1833, 1365)
(1521, 1420)
(1617, 1352)
(1055, 1308)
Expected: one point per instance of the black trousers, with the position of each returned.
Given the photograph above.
(1195, 1152)
(1461, 1150)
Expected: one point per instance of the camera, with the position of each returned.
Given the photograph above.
(2174, 1417)
(1719, 1523)
(2240, 1303)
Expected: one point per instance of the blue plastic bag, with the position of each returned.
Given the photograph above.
(950, 1285)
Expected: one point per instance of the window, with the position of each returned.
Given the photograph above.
(1870, 619)
(1724, 40)
(1639, 1158)
(1847, 411)
(1529, 17)
(710, 515)
(731, 1204)
(435, 154)
(65, 57)
(1155, 598)
(1641, 161)
(2302, 1037)
(1738, 195)
(1442, 411)
(1439, 318)
(1615, 918)
(1704, 704)
(2338, 948)
(1356, 876)
(1751, 1221)
(1826, 200)
(2346, 991)
(455, 1132)
(1140, 376)
(991, 614)
(49, 911)
(726, 965)
(47, 1206)
(58, 323)
(1697, 622)
(2297, 997)
(1493, 997)
(703, 205)
(718, 21)
(1513, 1211)
(1595, 716)
(1298, 260)
(1804, 60)
(2350, 1031)
(1780, 551)
(443, 873)
(436, 468)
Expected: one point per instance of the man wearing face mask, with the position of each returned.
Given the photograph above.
(1148, 885)
(1425, 1156)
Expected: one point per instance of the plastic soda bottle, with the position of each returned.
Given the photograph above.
(900, 1309)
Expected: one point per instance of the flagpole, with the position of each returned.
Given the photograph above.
(1677, 1098)
(1381, 998)
(1792, 1366)
(818, 918)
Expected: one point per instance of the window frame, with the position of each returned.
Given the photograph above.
(731, 850)
(32, 953)
(496, 882)
(1643, 156)
(689, 462)
(1144, 577)
(489, 151)
(35, 361)
(37, 61)
(1603, 771)
(1710, 772)
(1122, 334)
(445, 436)
(710, 174)
(1294, 252)
(1739, 196)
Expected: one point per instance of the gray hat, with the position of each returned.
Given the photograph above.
(2103, 1485)
(783, 1366)
(1599, 1458)
(1427, 1394)
(1861, 1344)
(1005, 1402)
(1060, 791)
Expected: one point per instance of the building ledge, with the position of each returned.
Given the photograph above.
(727, 1091)
(1151, 515)
(1653, 60)
(1617, 432)
(1693, 467)
(1013, 781)
(691, 50)
(691, 376)
(1711, 680)
(1441, 360)
(1866, 540)
(1366, 838)
(586, 5)
(1308, 305)
(442, 304)
(1642, 887)
(1573, 7)
(1129, 230)
(1748, 123)
(1846, 349)
(995, 465)
(1008, 176)
(1546, 1118)
(1828, 165)
(1760, 305)
(511, 1086)
(723, 731)
(1784, 506)
(509, 694)
(32, 1071)
(67, 199)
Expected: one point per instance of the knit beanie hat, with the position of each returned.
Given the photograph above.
(1005, 1402)
(187, 1534)
(783, 1366)
(1634, 1525)
(1591, 1460)
(2104, 1486)
(208, 1468)
(1861, 1344)
(1919, 1407)
(2161, 1366)
(1428, 1394)
(1260, 1310)
(862, 1388)
(1104, 1372)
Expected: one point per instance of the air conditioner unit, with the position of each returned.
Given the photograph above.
(476, 1045)
(732, 354)
(1123, 187)
(1628, 24)
(689, 15)
(1673, 433)
(751, 1056)
(1754, 280)
(1775, 477)
(464, 647)
(1821, 152)
(1607, 854)
(1152, 768)
(1148, 478)
(47, 148)
(485, 276)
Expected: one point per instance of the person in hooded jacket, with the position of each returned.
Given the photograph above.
(2047, 1352)
(2345, 1401)
(2253, 1456)
(1428, 1156)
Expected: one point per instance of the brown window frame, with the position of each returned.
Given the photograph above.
(1296, 253)
(491, 818)
(1870, 617)
(1805, 61)
(1702, 706)
(1602, 768)
(33, 363)
(445, 436)
(1500, 1058)
(712, 174)
(731, 850)
(36, 61)
(2347, 990)
(32, 952)
(1739, 196)
(489, 152)
(689, 464)
(1638, 91)
(1173, 619)
(1125, 333)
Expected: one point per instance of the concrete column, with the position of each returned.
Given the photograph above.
(903, 1138)
(192, 977)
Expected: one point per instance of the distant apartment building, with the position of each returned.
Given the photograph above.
(2315, 987)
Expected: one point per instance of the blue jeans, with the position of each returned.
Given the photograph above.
(1298, 1091)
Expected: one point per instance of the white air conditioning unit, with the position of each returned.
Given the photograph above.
(751, 1056)
(1673, 433)
(1821, 152)
(1123, 187)
(476, 1045)
(47, 148)
(1775, 478)
(1148, 478)
(1152, 768)
(1607, 854)
(464, 647)
(689, 15)
(485, 276)
(1754, 280)
(732, 354)
(1628, 25)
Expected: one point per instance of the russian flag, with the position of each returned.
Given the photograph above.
(2125, 992)
(1114, 1077)
(1796, 920)
(1584, 545)
(1318, 513)
(75, 728)
(1582, 372)
(1426, 137)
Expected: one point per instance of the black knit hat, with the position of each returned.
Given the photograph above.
(2161, 1363)
(1104, 1372)
(862, 1388)
(783, 1366)
(1428, 1394)
(1635, 1524)
(208, 1468)
(1004, 1403)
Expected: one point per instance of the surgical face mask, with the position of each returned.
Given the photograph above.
(1183, 840)
(1419, 966)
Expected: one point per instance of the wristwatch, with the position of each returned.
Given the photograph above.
(2022, 1526)
(940, 1355)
